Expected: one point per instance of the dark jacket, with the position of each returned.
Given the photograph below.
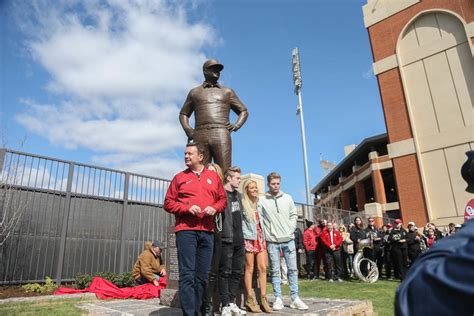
(376, 234)
(299, 239)
(441, 280)
(357, 234)
(413, 244)
(395, 236)
(227, 234)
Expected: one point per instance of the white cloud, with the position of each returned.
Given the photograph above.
(119, 72)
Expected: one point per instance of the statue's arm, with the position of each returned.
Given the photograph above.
(184, 114)
(240, 109)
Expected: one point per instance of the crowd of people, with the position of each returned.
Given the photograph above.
(224, 237)
(394, 248)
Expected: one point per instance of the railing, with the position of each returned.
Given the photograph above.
(75, 218)
(78, 218)
(334, 215)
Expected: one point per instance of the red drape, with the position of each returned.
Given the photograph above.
(104, 289)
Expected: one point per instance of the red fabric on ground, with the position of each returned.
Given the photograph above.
(104, 289)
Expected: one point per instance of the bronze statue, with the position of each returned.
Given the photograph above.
(211, 104)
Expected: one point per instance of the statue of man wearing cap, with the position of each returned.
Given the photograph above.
(211, 104)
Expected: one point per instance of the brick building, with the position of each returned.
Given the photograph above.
(362, 182)
(423, 53)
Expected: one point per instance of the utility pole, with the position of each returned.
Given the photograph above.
(299, 111)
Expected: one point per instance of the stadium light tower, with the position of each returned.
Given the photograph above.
(299, 111)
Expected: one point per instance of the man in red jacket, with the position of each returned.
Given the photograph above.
(332, 241)
(309, 241)
(194, 196)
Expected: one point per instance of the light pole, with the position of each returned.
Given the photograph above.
(299, 111)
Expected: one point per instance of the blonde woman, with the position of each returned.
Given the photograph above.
(255, 248)
(207, 306)
(347, 253)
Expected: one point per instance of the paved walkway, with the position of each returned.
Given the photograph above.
(93, 306)
(317, 306)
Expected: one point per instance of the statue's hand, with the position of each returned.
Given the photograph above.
(231, 127)
(190, 134)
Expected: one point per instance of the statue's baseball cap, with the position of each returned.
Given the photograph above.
(212, 62)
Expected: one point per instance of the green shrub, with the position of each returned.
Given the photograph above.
(121, 280)
(83, 281)
(48, 287)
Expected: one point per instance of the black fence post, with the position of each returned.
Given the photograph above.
(123, 224)
(67, 209)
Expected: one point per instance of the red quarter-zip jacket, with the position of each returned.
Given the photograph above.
(187, 189)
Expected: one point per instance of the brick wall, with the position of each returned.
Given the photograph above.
(383, 39)
(409, 188)
(384, 35)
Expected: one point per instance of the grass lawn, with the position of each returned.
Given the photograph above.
(381, 293)
(51, 307)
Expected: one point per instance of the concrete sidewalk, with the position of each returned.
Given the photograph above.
(317, 306)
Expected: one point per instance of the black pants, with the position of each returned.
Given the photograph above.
(347, 261)
(387, 260)
(310, 261)
(141, 280)
(298, 262)
(231, 271)
(413, 254)
(211, 287)
(334, 264)
(399, 259)
(376, 255)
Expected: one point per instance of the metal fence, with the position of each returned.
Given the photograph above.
(333, 215)
(75, 218)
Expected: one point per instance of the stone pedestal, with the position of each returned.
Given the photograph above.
(171, 260)
(170, 297)
(375, 210)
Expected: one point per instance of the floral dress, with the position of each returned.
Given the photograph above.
(258, 245)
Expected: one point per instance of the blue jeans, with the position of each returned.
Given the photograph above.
(194, 262)
(289, 252)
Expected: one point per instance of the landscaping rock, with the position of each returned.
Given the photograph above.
(170, 297)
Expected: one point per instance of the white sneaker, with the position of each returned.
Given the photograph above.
(226, 311)
(298, 304)
(278, 304)
(236, 310)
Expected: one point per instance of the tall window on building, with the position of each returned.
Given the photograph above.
(390, 187)
(437, 70)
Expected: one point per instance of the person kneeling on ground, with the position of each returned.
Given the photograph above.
(149, 268)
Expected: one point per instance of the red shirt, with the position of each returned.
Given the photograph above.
(187, 189)
(309, 239)
(336, 237)
(430, 240)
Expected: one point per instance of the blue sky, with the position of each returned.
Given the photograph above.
(102, 82)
